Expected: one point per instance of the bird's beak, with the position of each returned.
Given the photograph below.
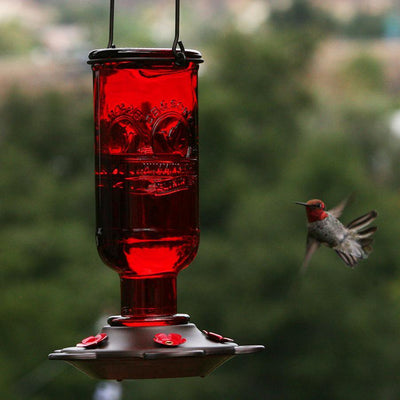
(301, 203)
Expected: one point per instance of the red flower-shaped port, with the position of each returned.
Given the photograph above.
(171, 340)
(92, 341)
(215, 337)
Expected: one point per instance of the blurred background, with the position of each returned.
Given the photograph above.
(298, 99)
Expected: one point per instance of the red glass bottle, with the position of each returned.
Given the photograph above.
(146, 151)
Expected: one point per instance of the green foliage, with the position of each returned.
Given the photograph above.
(302, 16)
(47, 244)
(365, 26)
(364, 73)
(16, 38)
(266, 141)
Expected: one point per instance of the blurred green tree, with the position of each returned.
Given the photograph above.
(16, 38)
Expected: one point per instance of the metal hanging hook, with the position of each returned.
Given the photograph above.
(111, 27)
(180, 56)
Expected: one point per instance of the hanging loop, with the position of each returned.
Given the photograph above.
(111, 44)
(180, 56)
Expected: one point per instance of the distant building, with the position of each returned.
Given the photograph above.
(346, 9)
(26, 11)
(392, 25)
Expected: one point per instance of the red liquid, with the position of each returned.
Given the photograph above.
(146, 181)
(147, 214)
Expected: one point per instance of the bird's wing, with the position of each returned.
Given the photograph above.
(338, 210)
(311, 248)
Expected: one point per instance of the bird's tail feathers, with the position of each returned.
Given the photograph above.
(349, 259)
(363, 221)
(366, 233)
(359, 243)
(363, 236)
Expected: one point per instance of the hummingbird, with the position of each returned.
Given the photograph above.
(351, 242)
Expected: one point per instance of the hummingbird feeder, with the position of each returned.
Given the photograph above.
(146, 168)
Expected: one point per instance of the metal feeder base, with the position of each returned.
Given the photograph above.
(131, 353)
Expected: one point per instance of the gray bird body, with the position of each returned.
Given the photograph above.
(329, 231)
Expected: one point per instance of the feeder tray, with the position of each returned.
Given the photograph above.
(132, 353)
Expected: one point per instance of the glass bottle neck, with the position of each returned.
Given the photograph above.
(147, 301)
